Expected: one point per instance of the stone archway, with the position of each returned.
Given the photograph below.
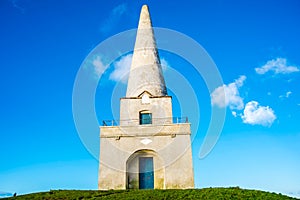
(145, 170)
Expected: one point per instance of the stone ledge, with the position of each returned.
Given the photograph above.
(145, 130)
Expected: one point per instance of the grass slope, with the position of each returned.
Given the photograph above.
(207, 193)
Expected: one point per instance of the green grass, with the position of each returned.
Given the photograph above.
(207, 193)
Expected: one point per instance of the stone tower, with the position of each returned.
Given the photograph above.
(147, 149)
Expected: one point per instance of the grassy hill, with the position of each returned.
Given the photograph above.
(207, 193)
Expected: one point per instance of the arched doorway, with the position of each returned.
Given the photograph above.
(144, 170)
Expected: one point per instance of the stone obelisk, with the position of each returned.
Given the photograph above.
(148, 149)
(145, 71)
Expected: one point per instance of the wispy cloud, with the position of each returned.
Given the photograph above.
(234, 113)
(277, 66)
(228, 95)
(286, 95)
(164, 64)
(99, 66)
(255, 114)
(16, 4)
(121, 69)
(113, 18)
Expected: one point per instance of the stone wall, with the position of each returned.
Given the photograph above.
(171, 153)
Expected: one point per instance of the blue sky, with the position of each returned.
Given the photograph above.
(254, 44)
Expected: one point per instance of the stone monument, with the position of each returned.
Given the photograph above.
(148, 148)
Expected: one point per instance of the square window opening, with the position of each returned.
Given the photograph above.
(145, 118)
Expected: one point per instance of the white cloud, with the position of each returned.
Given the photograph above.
(234, 113)
(286, 95)
(99, 66)
(228, 95)
(253, 113)
(256, 114)
(277, 66)
(114, 17)
(121, 69)
(164, 64)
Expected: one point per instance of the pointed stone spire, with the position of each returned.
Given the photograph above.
(145, 71)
